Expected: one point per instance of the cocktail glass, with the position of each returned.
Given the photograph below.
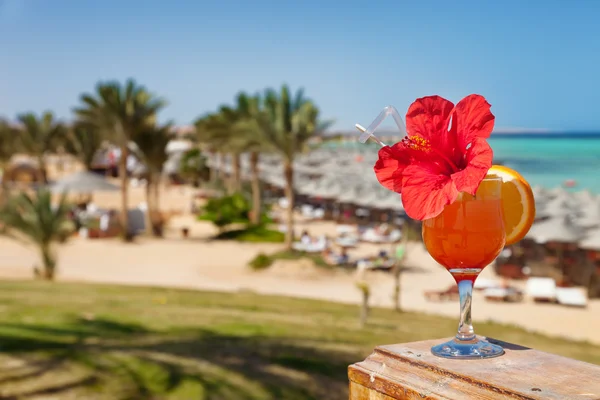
(466, 237)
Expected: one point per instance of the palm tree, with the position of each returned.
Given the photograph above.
(247, 138)
(33, 218)
(229, 129)
(287, 124)
(39, 136)
(7, 149)
(192, 166)
(234, 129)
(211, 135)
(84, 142)
(215, 131)
(152, 144)
(120, 112)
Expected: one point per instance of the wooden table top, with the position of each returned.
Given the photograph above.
(410, 371)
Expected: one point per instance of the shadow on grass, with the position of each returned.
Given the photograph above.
(130, 362)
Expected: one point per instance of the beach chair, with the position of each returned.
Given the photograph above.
(317, 247)
(508, 294)
(318, 213)
(541, 289)
(307, 211)
(394, 236)
(299, 246)
(450, 294)
(345, 229)
(483, 284)
(282, 202)
(572, 296)
(348, 241)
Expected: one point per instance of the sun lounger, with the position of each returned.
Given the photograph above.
(311, 213)
(450, 294)
(509, 294)
(541, 289)
(345, 229)
(346, 241)
(483, 284)
(315, 247)
(306, 210)
(282, 202)
(573, 296)
(373, 237)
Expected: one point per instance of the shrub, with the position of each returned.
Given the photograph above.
(253, 234)
(227, 210)
(261, 261)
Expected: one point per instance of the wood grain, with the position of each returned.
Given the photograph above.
(410, 371)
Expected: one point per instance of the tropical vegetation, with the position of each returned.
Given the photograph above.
(151, 146)
(277, 122)
(33, 219)
(121, 112)
(38, 136)
(125, 114)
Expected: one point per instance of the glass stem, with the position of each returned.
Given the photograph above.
(465, 329)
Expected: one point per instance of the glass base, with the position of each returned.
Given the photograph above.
(467, 349)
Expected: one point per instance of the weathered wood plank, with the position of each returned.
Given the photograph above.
(410, 371)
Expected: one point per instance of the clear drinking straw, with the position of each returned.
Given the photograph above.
(368, 133)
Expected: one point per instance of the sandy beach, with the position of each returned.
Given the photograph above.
(199, 263)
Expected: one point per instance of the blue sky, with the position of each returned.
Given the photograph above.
(537, 62)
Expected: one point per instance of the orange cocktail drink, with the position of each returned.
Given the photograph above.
(469, 233)
(469, 208)
(465, 237)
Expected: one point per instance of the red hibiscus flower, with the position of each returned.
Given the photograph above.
(444, 153)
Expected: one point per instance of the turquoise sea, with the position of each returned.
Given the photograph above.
(551, 159)
(544, 159)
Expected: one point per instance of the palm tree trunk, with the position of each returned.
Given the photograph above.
(124, 192)
(3, 185)
(48, 261)
(156, 192)
(217, 167)
(213, 172)
(42, 168)
(236, 176)
(256, 194)
(148, 215)
(288, 173)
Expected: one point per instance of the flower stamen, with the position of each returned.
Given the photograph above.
(423, 145)
(417, 143)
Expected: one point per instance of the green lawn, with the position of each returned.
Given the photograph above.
(76, 341)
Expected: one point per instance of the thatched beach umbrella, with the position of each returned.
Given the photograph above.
(592, 241)
(330, 189)
(83, 182)
(589, 214)
(391, 201)
(308, 187)
(559, 206)
(371, 198)
(584, 196)
(560, 229)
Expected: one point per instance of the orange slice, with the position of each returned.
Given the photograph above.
(517, 202)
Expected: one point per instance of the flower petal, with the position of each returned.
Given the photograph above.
(428, 117)
(389, 167)
(479, 159)
(425, 193)
(472, 118)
